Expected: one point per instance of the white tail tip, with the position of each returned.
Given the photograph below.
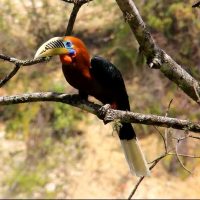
(135, 158)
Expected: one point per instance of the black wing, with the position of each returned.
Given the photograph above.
(110, 78)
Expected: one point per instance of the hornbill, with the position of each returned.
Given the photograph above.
(101, 79)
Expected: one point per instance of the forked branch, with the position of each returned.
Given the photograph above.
(156, 57)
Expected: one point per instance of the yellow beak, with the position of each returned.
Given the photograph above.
(52, 47)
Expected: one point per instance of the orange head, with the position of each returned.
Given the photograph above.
(68, 48)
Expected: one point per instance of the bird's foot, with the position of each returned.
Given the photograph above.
(102, 112)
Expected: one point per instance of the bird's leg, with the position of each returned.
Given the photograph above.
(83, 95)
(102, 112)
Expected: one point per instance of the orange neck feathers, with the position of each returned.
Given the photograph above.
(81, 57)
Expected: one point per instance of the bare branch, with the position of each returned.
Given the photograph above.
(156, 57)
(10, 75)
(72, 19)
(155, 162)
(136, 187)
(194, 137)
(110, 115)
(163, 138)
(168, 108)
(18, 63)
(184, 155)
(197, 4)
(167, 153)
(166, 134)
(178, 158)
(155, 120)
(23, 62)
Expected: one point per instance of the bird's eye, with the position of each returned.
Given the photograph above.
(68, 44)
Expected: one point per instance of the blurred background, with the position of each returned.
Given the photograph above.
(52, 150)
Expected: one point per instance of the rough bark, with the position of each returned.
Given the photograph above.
(109, 114)
(156, 57)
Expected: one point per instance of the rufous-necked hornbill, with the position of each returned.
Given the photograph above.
(101, 79)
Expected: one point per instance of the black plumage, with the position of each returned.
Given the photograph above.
(113, 87)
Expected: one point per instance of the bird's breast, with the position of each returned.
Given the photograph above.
(83, 80)
(79, 78)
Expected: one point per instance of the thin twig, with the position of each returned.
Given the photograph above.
(163, 138)
(195, 137)
(184, 155)
(176, 150)
(157, 159)
(166, 134)
(168, 108)
(167, 153)
(9, 76)
(136, 187)
(155, 162)
(180, 161)
(18, 63)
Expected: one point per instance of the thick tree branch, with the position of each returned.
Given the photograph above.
(156, 57)
(110, 114)
(197, 4)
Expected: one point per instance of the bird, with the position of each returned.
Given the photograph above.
(99, 78)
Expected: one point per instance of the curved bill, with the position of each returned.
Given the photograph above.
(54, 46)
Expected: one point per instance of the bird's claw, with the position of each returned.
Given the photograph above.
(102, 112)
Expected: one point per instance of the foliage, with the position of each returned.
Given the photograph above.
(25, 180)
(180, 25)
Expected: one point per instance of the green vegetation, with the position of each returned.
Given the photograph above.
(23, 180)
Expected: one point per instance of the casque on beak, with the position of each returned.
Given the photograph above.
(54, 46)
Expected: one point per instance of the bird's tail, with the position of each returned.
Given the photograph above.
(133, 153)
